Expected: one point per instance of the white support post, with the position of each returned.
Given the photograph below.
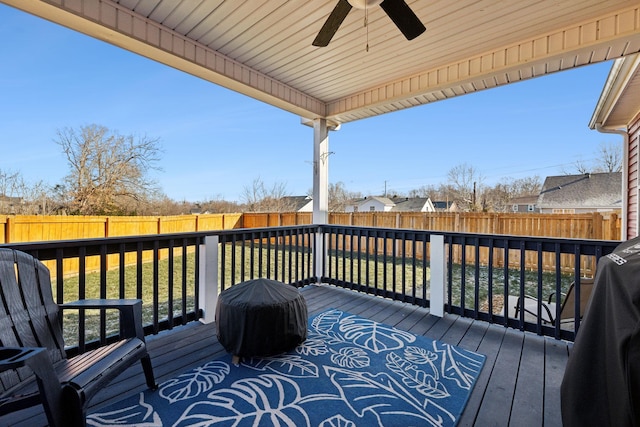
(320, 171)
(438, 266)
(209, 278)
(320, 189)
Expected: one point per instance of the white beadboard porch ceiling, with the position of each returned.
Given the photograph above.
(262, 48)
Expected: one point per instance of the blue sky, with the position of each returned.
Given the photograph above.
(216, 142)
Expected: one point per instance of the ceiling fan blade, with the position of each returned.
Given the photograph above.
(404, 18)
(332, 23)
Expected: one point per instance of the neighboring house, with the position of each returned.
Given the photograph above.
(618, 111)
(413, 204)
(524, 204)
(370, 204)
(9, 205)
(591, 192)
(445, 206)
(298, 203)
(395, 204)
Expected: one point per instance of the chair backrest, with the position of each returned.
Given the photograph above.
(568, 310)
(29, 317)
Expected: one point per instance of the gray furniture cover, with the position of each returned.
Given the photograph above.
(601, 384)
(261, 317)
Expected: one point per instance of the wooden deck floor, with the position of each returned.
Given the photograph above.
(518, 386)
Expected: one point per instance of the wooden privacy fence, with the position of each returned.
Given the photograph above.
(599, 226)
(36, 228)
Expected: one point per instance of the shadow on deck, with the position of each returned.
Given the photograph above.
(519, 384)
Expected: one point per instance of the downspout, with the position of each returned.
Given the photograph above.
(625, 168)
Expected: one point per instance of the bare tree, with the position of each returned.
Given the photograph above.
(466, 183)
(424, 191)
(578, 167)
(339, 197)
(528, 186)
(260, 198)
(498, 198)
(108, 172)
(610, 158)
(22, 198)
(220, 205)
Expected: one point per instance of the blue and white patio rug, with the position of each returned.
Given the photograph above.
(350, 371)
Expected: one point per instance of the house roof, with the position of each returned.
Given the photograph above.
(619, 102)
(596, 190)
(409, 204)
(524, 200)
(443, 205)
(263, 49)
(382, 200)
(296, 202)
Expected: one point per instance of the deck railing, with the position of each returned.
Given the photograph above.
(178, 276)
(487, 276)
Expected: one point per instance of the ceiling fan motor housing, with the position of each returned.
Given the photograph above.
(364, 4)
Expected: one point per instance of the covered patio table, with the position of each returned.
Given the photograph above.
(260, 317)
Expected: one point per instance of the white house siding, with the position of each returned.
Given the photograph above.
(378, 206)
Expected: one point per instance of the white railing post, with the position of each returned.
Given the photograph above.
(319, 255)
(209, 278)
(438, 275)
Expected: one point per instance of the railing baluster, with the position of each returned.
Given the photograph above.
(82, 294)
(170, 272)
(156, 286)
(476, 278)
(103, 293)
(183, 285)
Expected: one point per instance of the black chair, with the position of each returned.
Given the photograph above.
(34, 368)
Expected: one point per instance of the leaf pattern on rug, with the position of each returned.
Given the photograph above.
(425, 383)
(380, 394)
(200, 380)
(265, 400)
(420, 355)
(140, 415)
(323, 324)
(314, 345)
(350, 357)
(374, 336)
(293, 366)
(350, 371)
(457, 365)
(337, 421)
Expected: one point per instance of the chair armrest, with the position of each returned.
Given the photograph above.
(130, 313)
(102, 303)
(553, 294)
(15, 357)
(37, 359)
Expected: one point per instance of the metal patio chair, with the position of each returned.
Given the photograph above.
(34, 368)
(567, 309)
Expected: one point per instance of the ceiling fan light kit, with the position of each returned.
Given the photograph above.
(398, 10)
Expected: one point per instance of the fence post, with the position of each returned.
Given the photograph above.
(8, 229)
(209, 278)
(437, 281)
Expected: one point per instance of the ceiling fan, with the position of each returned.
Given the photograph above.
(398, 10)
